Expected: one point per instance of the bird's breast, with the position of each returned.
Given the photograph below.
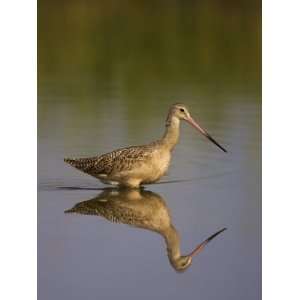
(164, 162)
(159, 165)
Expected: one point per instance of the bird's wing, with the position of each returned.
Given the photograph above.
(121, 159)
(117, 161)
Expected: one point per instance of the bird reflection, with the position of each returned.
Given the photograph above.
(142, 209)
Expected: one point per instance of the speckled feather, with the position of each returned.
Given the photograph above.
(115, 161)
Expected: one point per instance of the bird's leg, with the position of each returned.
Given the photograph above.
(132, 183)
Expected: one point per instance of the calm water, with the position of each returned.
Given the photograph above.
(107, 75)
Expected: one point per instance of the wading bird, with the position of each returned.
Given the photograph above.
(136, 165)
(141, 209)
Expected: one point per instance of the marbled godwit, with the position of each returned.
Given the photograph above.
(136, 165)
(141, 209)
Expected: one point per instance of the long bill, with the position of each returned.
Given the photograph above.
(204, 132)
(201, 246)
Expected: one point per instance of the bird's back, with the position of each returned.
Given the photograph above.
(115, 161)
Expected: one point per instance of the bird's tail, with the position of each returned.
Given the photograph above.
(75, 162)
(70, 161)
(83, 164)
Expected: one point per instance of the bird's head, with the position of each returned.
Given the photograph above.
(179, 111)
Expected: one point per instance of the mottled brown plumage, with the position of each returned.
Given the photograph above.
(136, 165)
(141, 209)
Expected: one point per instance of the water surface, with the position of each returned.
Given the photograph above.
(107, 75)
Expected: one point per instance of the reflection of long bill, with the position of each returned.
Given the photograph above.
(204, 132)
(201, 246)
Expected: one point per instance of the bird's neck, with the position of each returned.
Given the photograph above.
(172, 240)
(171, 135)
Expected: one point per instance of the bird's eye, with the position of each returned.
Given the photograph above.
(181, 109)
